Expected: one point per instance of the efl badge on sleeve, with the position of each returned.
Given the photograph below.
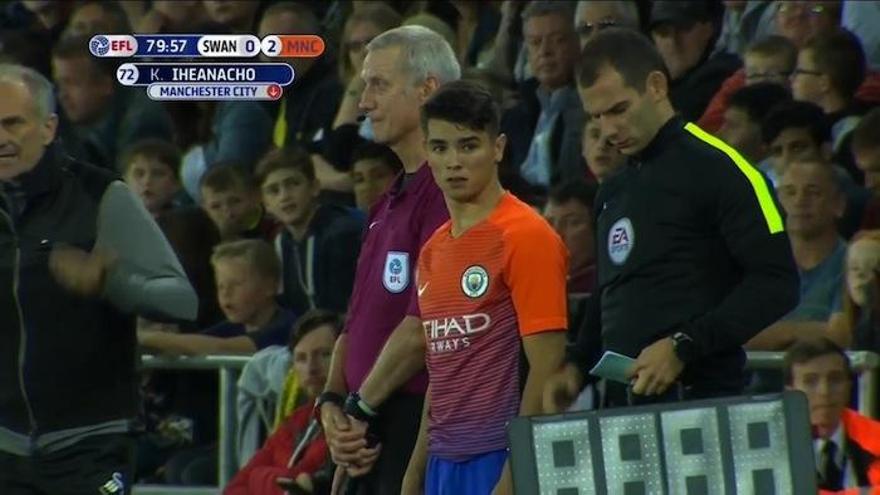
(395, 278)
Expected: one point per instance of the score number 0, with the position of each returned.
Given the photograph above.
(127, 74)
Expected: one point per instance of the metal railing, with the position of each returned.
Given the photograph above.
(229, 368)
(865, 364)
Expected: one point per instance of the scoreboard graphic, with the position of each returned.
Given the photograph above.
(207, 67)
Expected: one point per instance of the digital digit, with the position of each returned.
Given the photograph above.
(272, 46)
(150, 44)
(249, 46)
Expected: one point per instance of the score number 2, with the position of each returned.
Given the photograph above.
(127, 74)
(271, 46)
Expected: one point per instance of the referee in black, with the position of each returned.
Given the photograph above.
(693, 258)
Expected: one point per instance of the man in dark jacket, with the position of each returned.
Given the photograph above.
(79, 256)
(319, 243)
(693, 259)
(544, 129)
(685, 32)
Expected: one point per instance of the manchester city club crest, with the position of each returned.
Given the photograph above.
(475, 281)
(396, 274)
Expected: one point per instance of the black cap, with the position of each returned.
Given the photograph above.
(685, 12)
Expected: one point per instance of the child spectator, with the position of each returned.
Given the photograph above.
(297, 451)
(771, 59)
(742, 121)
(374, 168)
(830, 69)
(319, 243)
(150, 167)
(231, 198)
(857, 324)
(603, 160)
(247, 273)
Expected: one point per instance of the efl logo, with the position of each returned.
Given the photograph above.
(621, 239)
(396, 275)
(113, 45)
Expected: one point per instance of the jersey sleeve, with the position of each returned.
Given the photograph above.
(536, 269)
(749, 221)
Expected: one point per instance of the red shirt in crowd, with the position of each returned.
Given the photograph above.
(270, 462)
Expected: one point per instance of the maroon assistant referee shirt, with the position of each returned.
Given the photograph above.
(384, 284)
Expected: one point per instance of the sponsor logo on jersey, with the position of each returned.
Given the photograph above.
(454, 333)
(621, 239)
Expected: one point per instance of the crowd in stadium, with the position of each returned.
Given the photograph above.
(443, 223)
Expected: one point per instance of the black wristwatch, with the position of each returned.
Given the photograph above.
(358, 409)
(331, 397)
(684, 347)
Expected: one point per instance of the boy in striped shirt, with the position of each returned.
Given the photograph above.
(491, 277)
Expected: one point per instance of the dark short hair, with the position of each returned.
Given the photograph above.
(292, 156)
(808, 349)
(311, 321)
(77, 46)
(758, 99)
(627, 51)
(775, 46)
(225, 176)
(368, 150)
(866, 135)
(796, 114)
(464, 103)
(159, 149)
(574, 189)
(839, 55)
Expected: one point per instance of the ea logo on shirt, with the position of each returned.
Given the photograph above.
(621, 239)
(396, 275)
(475, 281)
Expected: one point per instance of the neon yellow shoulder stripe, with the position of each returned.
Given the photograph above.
(759, 185)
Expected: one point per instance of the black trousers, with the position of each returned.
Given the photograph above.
(398, 429)
(98, 465)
